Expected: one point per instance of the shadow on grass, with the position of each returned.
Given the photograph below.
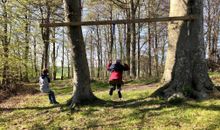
(196, 106)
(157, 104)
(32, 108)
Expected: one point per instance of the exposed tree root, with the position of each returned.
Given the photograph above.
(171, 88)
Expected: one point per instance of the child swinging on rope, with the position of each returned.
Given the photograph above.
(44, 81)
(115, 79)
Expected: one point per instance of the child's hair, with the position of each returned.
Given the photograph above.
(45, 71)
(118, 61)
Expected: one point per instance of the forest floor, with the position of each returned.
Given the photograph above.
(136, 111)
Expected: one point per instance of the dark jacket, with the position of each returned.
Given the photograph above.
(116, 71)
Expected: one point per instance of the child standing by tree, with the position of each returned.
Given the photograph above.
(44, 81)
(115, 79)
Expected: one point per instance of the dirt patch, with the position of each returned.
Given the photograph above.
(142, 87)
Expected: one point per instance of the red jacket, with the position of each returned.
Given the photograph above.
(116, 70)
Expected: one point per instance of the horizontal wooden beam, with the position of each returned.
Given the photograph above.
(110, 22)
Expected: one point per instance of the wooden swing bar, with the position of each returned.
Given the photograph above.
(110, 22)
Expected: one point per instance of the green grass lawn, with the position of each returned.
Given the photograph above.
(135, 111)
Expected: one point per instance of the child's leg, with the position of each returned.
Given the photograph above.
(112, 89)
(119, 90)
(50, 97)
(53, 97)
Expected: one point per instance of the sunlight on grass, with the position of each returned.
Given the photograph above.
(135, 111)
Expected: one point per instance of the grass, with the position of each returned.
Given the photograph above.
(135, 111)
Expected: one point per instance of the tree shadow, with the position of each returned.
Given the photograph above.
(132, 103)
(32, 108)
(196, 106)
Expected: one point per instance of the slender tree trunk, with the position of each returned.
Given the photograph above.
(156, 50)
(149, 51)
(81, 83)
(45, 32)
(149, 41)
(209, 33)
(42, 61)
(35, 58)
(133, 56)
(26, 47)
(163, 52)
(54, 68)
(5, 42)
(68, 63)
(120, 39)
(112, 38)
(128, 42)
(98, 52)
(91, 57)
(62, 61)
(186, 70)
(139, 48)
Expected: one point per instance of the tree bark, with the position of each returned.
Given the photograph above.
(133, 55)
(156, 50)
(149, 51)
(149, 41)
(35, 57)
(81, 83)
(5, 43)
(110, 55)
(139, 47)
(128, 41)
(54, 68)
(26, 47)
(185, 69)
(45, 32)
(62, 61)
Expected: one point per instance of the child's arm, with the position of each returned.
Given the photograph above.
(109, 65)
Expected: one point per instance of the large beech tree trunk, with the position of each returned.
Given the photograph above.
(81, 82)
(185, 69)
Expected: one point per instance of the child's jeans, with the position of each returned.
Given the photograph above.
(115, 84)
(52, 98)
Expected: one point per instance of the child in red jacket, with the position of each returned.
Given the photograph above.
(115, 79)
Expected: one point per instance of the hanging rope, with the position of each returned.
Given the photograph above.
(125, 34)
(113, 29)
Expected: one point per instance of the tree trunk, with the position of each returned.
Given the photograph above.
(149, 51)
(45, 32)
(133, 56)
(99, 50)
(139, 47)
(112, 38)
(92, 72)
(68, 64)
(62, 61)
(54, 68)
(26, 47)
(186, 70)
(5, 43)
(128, 42)
(81, 83)
(156, 50)
(120, 39)
(209, 30)
(35, 57)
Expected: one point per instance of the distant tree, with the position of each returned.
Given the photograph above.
(5, 42)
